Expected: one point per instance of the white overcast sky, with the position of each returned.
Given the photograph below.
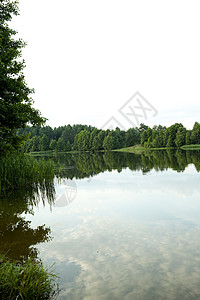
(85, 59)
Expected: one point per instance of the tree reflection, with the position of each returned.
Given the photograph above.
(86, 165)
(17, 238)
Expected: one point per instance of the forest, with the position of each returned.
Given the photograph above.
(88, 138)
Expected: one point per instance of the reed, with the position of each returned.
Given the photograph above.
(22, 171)
(28, 280)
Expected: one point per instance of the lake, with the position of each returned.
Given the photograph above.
(116, 225)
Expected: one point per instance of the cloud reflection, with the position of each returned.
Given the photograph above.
(130, 261)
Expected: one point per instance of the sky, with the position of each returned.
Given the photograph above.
(86, 59)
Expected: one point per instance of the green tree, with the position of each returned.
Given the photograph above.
(195, 135)
(108, 143)
(144, 137)
(119, 138)
(68, 134)
(98, 141)
(35, 142)
(93, 135)
(180, 137)
(142, 127)
(156, 143)
(82, 141)
(172, 131)
(53, 144)
(170, 142)
(60, 145)
(132, 137)
(15, 101)
(44, 143)
(68, 146)
(165, 137)
(188, 137)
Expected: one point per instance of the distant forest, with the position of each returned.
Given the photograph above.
(88, 138)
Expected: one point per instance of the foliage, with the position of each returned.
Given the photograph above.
(174, 136)
(60, 145)
(28, 280)
(19, 171)
(52, 146)
(15, 101)
(77, 137)
(108, 143)
(82, 141)
(87, 138)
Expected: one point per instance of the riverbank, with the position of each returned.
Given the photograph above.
(133, 149)
(191, 147)
(140, 148)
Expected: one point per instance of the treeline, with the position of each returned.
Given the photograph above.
(88, 138)
(78, 137)
(174, 136)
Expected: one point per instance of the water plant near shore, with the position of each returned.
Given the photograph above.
(22, 171)
(27, 280)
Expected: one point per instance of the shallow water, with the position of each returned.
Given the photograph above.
(124, 226)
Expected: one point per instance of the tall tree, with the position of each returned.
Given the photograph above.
(82, 141)
(180, 139)
(98, 141)
(53, 144)
(188, 137)
(60, 145)
(44, 143)
(15, 102)
(195, 135)
(108, 143)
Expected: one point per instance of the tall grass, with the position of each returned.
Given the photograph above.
(28, 280)
(22, 171)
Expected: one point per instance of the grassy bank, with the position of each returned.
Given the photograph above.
(191, 147)
(29, 280)
(131, 149)
(21, 171)
(138, 148)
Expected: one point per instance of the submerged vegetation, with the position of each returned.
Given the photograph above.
(26, 280)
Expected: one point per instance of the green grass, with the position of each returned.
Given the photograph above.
(22, 171)
(131, 149)
(28, 280)
(139, 148)
(191, 147)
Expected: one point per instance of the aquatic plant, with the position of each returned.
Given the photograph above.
(27, 280)
(22, 171)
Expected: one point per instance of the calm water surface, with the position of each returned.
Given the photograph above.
(121, 226)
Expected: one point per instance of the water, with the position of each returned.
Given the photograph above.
(121, 226)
